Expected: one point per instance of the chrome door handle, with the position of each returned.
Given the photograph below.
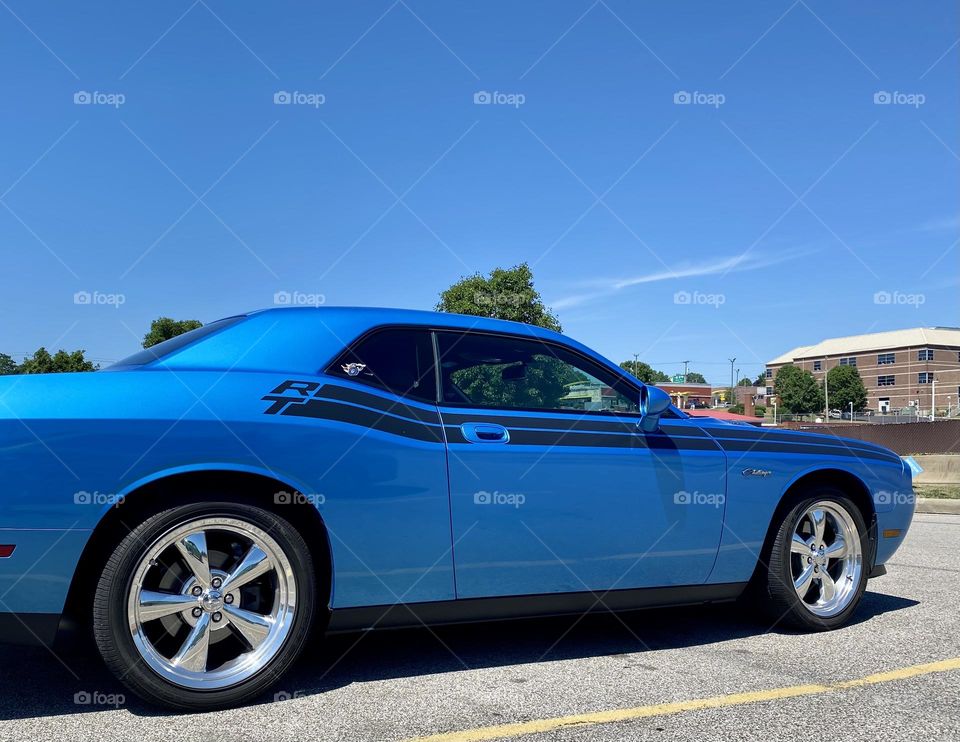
(485, 433)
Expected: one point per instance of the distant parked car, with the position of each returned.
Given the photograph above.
(207, 504)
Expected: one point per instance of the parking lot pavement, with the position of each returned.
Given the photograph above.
(414, 683)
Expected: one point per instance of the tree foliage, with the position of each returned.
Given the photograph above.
(695, 377)
(8, 365)
(746, 382)
(798, 390)
(505, 294)
(646, 373)
(844, 386)
(62, 361)
(164, 328)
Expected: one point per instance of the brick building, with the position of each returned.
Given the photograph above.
(901, 369)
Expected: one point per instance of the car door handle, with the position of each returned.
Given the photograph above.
(485, 433)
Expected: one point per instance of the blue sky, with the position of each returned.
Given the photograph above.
(690, 181)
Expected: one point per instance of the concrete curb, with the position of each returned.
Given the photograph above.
(937, 505)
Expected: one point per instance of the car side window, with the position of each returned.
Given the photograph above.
(501, 371)
(397, 360)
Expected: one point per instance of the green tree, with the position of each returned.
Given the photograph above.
(506, 294)
(736, 409)
(798, 390)
(761, 379)
(8, 365)
(695, 378)
(844, 386)
(42, 362)
(746, 382)
(164, 328)
(644, 372)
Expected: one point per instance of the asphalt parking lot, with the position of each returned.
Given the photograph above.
(635, 677)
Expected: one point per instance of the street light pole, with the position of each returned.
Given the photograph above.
(933, 399)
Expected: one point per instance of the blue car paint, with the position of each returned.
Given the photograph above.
(399, 528)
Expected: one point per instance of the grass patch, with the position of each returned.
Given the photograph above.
(938, 491)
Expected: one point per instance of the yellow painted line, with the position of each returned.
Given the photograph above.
(539, 726)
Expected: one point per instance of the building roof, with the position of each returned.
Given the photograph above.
(916, 336)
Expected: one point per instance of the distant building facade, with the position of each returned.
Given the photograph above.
(898, 368)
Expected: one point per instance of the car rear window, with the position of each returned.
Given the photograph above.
(167, 347)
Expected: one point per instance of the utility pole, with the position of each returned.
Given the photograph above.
(732, 389)
(826, 398)
(933, 400)
(685, 371)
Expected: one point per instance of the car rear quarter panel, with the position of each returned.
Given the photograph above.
(70, 451)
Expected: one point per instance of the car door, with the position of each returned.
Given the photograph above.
(554, 488)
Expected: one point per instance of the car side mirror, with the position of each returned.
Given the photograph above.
(653, 403)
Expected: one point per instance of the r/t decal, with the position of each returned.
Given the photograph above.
(290, 392)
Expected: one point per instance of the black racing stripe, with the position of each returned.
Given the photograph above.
(551, 438)
(325, 410)
(818, 439)
(763, 442)
(394, 407)
(574, 423)
(799, 448)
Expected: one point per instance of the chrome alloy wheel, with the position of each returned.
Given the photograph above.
(211, 603)
(826, 559)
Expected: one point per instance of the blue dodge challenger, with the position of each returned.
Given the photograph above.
(205, 505)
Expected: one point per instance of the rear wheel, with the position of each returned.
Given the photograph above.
(205, 605)
(816, 574)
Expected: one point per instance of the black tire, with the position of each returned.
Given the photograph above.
(111, 624)
(779, 597)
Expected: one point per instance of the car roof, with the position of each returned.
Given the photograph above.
(374, 316)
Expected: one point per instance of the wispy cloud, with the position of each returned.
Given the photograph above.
(601, 288)
(949, 223)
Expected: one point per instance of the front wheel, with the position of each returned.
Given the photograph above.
(205, 605)
(816, 574)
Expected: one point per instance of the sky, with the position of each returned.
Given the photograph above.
(689, 181)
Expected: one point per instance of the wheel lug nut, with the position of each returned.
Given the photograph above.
(196, 612)
(216, 582)
(227, 598)
(217, 617)
(197, 590)
(809, 560)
